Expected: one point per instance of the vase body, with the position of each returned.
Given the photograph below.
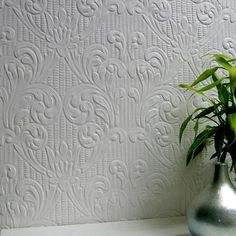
(213, 212)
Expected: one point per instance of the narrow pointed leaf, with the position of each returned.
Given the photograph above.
(223, 56)
(212, 85)
(214, 155)
(206, 74)
(185, 123)
(199, 149)
(202, 137)
(190, 88)
(206, 111)
(224, 95)
(232, 77)
(196, 126)
(196, 152)
(232, 122)
(222, 61)
(232, 60)
(223, 155)
(183, 126)
(219, 140)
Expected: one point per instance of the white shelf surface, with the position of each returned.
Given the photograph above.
(173, 226)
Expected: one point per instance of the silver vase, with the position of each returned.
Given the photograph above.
(213, 212)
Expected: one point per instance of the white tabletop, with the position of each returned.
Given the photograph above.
(174, 226)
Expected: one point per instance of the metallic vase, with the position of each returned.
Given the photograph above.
(213, 212)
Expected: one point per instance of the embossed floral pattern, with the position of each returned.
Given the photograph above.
(90, 108)
(64, 170)
(61, 31)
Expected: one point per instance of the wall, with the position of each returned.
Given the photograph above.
(90, 106)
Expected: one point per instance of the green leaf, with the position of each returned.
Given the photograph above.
(199, 149)
(212, 85)
(196, 152)
(206, 111)
(232, 77)
(183, 126)
(196, 126)
(232, 122)
(219, 113)
(206, 74)
(223, 155)
(201, 138)
(232, 60)
(214, 155)
(185, 123)
(188, 87)
(224, 95)
(223, 56)
(219, 140)
(222, 61)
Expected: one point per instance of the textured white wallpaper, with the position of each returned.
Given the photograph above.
(90, 106)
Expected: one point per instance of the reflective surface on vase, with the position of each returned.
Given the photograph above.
(213, 212)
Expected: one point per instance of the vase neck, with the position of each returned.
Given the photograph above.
(221, 173)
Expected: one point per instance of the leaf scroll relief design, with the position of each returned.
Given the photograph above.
(24, 202)
(28, 107)
(90, 109)
(184, 37)
(93, 109)
(121, 71)
(62, 30)
(144, 188)
(103, 198)
(7, 34)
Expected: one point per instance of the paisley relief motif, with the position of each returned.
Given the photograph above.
(7, 34)
(160, 10)
(35, 7)
(206, 13)
(117, 38)
(92, 59)
(31, 58)
(136, 39)
(7, 174)
(86, 103)
(91, 110)
(138, 170)
(158, 60)
(135, 6)
(89, 8)
(229, 44)
(119, 170)
(117, 6)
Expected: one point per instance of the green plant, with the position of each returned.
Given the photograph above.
(221, 112)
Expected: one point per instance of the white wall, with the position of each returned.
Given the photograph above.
(90, 106)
